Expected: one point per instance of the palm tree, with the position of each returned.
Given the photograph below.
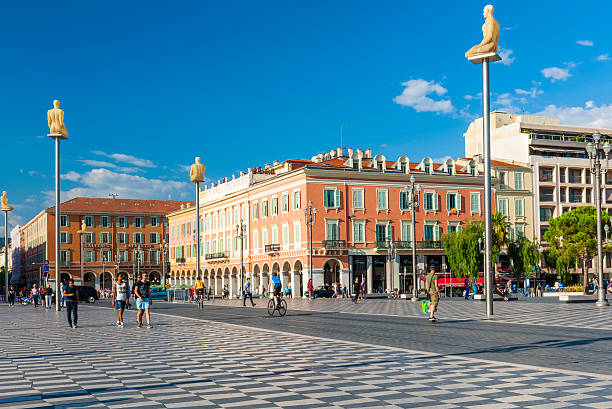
(499, 224)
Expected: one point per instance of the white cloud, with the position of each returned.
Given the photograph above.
(34, 173)
(588, 115)
(586, 43)
(505, 54)
(103, 164)
(415, 95)
(101, 182)
(442, 159)
(532, 92)
(603, 57)
(71, 176)
(132, 160)
(557, 73)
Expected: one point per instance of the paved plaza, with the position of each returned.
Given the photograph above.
(186, 362)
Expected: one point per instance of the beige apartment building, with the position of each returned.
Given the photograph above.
(513, 193)
(560, 168)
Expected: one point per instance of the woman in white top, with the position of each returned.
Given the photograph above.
(34, 293)
(121, 293)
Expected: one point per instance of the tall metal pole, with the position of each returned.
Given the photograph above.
(241, 256)
(601, 291)
(81, 255)
(6, 243)
(58, 272)
(197, 185)
(486, 131)
(415, 296)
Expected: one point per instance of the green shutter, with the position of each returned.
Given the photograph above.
(458, 200)
(337, 198)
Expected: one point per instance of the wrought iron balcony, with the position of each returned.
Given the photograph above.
(382, 244)
(429, 244)
(272, 248)
(334, 244)
(403, 244)
(179, 260)
(213, 256)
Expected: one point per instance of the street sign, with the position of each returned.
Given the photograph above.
(45, 268)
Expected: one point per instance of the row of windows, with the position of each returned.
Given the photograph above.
(106, 237)
(503, 179)
(123, 256)
(273, 209)
(105, 221)
(332, 200)
(519, 207)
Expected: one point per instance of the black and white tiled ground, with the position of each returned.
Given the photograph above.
(183, 363)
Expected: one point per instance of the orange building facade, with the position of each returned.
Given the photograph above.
(362, 206)
(122, 235)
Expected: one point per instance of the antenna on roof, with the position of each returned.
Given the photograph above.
(341, 127)
(114, 195)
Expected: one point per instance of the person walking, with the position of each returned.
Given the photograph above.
(11, 296)
(71, 298)
(431, 285)
(247, 293)
(34, 293)
(356, 288)
(121, 293)
(310, 289)
(363, 288)
(142, 289)
(474, 287)
(48, 296)
(466, 288)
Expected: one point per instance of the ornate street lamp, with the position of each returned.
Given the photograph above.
(414, 202)
(196, 176)
(81, 233)
(6, 209)
(240, 235)
(310, 216)
(595, 150)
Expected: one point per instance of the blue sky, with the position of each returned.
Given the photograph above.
(147, 86)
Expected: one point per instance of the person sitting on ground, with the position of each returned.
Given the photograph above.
(499, 291)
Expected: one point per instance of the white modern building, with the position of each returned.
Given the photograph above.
(560, 168)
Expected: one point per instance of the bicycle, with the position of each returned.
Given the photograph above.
(281, 307)
(200, 301)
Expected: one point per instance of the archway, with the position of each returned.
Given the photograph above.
(64, 277)
(106, 280)
(298, 279)
(265, 278)
(331, 272)
(155, 278)
(219, 282)
(89, 279)
(255, 285)
(285, 276)
(226, 280)
(235, 282)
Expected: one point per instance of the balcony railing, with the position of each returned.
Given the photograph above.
(403, 244)
(382, 244)
(334, 244)
(65, 263)
(429, 244)
(179, 260)
(546, 197)
(545, 177)
(575, 198)
(272, 248)
(213, 256)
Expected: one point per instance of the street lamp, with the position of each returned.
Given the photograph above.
(240, 235)
(414, 202)
(81, 234)
(392, 254)
(594, 150)
(310, 216)
(6, 209)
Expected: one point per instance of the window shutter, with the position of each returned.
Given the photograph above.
(337, 199)
(435, 201)
(448, 201)
(436, 230)
(298, 200)
(458, 200)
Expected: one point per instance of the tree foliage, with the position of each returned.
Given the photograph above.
(573, 235)
(499, 226)
(524, 254)
(462, 250)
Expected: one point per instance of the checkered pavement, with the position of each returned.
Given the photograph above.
(184, 362)
(555, 314)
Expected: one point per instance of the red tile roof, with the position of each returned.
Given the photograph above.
(111, 205)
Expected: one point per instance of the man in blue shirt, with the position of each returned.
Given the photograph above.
(277, 287)
(247, 293)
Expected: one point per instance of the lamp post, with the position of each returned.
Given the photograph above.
(414, 202)
(104, 259)
(392, 254)
(6, 209)
(81, 234)
(163, 262)
(310, 216)
(594, 150)
(240, 234)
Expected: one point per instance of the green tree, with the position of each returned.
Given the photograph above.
(499, 225)
(573, 235)
(524, 254)
(462, 250)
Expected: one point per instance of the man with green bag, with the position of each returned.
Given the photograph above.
(433, 292)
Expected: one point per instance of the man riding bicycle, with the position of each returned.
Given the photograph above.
(277, 287)
(199, 290)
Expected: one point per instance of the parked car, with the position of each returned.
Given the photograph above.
(87, 294)
(160, 294)
(324, 292)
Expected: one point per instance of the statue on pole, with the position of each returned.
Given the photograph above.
(490, 34)
(196, 174)
(55, 118)
(4, 203)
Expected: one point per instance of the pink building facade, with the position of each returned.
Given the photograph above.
(362, 206)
